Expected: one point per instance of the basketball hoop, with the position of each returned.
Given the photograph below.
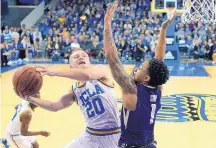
(199, 10)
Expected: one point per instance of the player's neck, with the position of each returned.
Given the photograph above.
(142, 82)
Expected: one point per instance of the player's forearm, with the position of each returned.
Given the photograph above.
(116, 67)
(74, 73)
(161, 45)
(30, 133)
(45, 104)
(121, 77)
(109, 44)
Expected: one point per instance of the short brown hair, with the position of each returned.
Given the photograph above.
(75, 50)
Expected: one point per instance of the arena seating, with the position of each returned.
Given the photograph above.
(80, 24)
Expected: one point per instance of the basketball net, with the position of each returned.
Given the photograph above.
(199, 11)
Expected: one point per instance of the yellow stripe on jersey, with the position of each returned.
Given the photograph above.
(80, 84)
(30, 107)
(74, 94)
(103, 133)
(106, 82)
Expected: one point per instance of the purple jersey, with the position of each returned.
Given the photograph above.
(137, 126)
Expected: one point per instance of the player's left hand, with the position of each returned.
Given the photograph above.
(111, 8)
(168, 21)
(45, 70)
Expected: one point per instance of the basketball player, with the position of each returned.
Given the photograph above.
(17, 131)
(141, 92)
(4, 143)
(94, 93)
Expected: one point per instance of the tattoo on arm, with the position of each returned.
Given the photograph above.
(109, 44)
(117, 70)
(122, 78)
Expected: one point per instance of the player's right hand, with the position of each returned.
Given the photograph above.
(44, 133)
(169, 20)
(109, 14)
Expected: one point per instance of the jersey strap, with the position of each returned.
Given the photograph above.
(104, 82)
(74, 86)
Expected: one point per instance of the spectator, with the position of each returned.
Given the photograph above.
(75, 44)
(4, 54)
(37, 39)
(196, 48)
(213, 49)
(49, 47)
(95, 49)
(14, 50)
(27, 51)
(207, 50)
(15, 34)
(126, 54)
(139, 52)
(7, 35)
(79, 24)
(56, 55)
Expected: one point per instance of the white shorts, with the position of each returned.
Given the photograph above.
(91, 141)
(20, 141)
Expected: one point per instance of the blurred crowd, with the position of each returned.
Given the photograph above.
(199, 39)
(79, 24)
(159, 4)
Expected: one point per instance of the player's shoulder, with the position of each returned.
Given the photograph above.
(160, 87)
(26, 114)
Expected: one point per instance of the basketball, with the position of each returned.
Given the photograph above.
(27, 81)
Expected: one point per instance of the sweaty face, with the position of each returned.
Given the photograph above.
(141, 73)
(79, 59)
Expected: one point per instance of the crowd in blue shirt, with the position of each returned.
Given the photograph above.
(79, 24)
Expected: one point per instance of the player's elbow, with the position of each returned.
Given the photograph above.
(24, 132)
(54, 107)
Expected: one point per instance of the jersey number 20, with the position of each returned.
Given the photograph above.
(94, 107)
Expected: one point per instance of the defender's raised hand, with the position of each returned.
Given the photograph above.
(169, 20)
(111, 8)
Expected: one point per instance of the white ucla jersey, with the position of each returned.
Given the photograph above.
(98, 104)
(14, 125)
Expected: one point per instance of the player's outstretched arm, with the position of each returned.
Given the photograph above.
(129, 92)
(25, 119)
(64, 101)
(161, 45)
(92, 72)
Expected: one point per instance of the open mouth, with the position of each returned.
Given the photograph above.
(81, 62)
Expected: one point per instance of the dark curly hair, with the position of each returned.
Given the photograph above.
(158, 72)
